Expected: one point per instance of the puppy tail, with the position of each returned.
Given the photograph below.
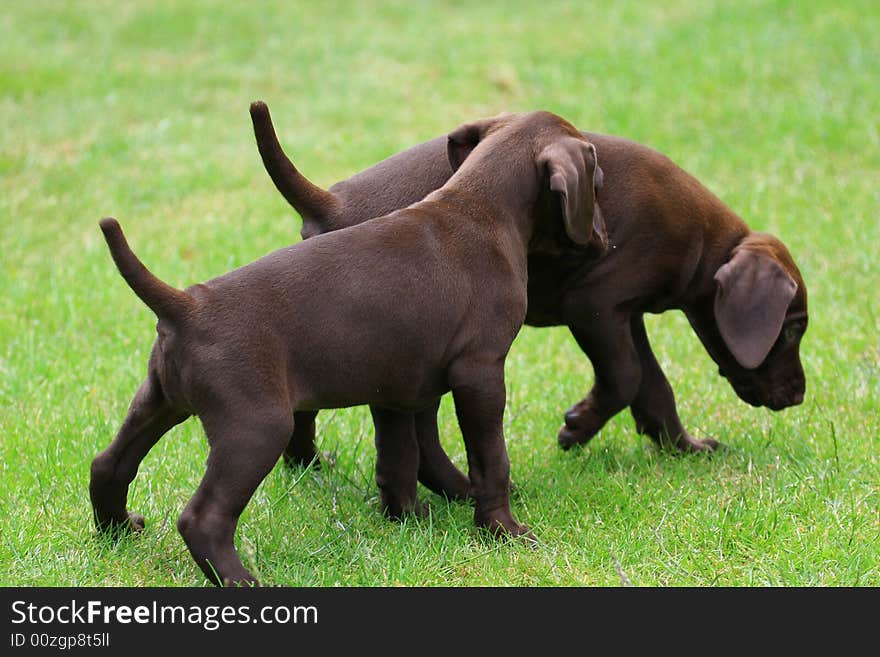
(306, 198)
(166, 301)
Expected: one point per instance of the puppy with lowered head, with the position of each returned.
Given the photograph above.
(672, 244)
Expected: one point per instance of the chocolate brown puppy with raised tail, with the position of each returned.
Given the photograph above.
(393, 313)
(672, 245)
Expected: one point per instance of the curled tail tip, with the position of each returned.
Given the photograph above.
(109, 225)
(264, 131)
(259, 110)
(113, 234)
(261, 118)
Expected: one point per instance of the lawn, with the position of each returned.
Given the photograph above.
(139, 110)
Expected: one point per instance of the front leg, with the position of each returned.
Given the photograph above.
(607, 342)
(654, 406)
(479, 395)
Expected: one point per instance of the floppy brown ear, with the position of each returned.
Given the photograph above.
(574, 175)
(464, 139)
(753, 295)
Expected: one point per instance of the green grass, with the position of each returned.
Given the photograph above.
(139, 110)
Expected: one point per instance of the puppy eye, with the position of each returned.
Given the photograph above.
(792, 333)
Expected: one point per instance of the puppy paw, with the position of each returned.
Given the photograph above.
(134, 523)
(568, 437)
(689, 445)
(708, 445)
(398, 511)
(503, 525)
(581, 424)
(519, 533)
(456, 487)
(522, 533)
(529, 540)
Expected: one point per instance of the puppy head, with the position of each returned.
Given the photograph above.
(761, 315)
(567, 169)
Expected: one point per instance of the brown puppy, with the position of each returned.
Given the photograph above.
(393, 313)
(672, 245)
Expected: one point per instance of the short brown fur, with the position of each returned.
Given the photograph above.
(668, 238)
(393, 313)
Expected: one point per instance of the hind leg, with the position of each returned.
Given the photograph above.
(397, 462)
(149, 418)
(244, 449)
